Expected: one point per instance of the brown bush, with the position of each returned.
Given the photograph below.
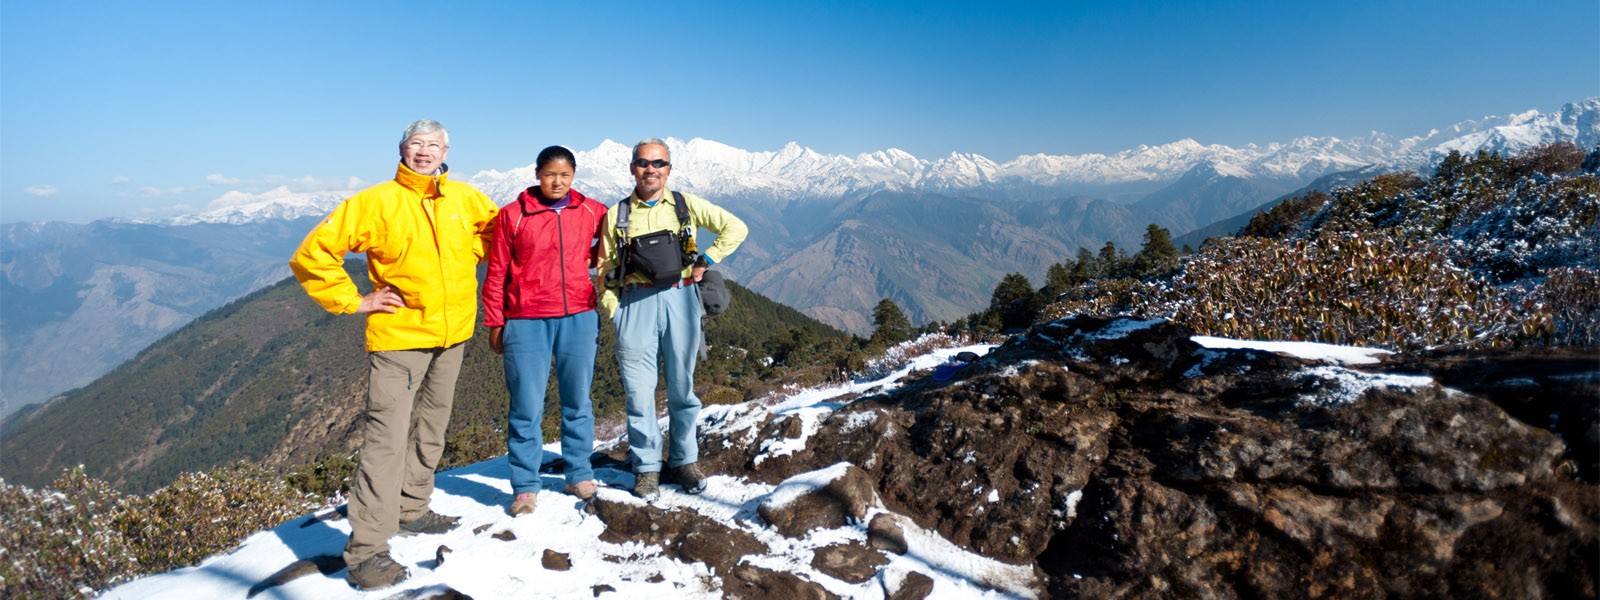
(1557, 158)
(1370, 289)
(82, 535)
(1571, 296)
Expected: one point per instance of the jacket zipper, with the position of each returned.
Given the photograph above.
(430, 207)
(561, 256)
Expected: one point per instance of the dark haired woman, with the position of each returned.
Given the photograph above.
(539, 304)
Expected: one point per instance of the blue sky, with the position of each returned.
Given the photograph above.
(139, 109)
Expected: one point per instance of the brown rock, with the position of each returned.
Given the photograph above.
(747, 582)
(853, 562)
(556, 561)
(914, 586)
(843, 500)
(884, 533)
(681, 534)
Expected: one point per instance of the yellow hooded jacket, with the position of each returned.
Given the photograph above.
(424, 236)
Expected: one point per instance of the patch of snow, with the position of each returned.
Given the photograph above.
(804, 483)
(1338, 386)
(1341, 355)
(1122, 327)
(857, 420)
(1071, 503)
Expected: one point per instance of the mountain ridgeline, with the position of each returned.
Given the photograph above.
(274, 379)
(830, 234)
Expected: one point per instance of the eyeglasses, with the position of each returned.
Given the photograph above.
(418, 145)
(639, 163)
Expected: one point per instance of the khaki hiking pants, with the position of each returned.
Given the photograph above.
(409, 395)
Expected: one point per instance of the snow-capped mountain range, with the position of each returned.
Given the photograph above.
(796, 172)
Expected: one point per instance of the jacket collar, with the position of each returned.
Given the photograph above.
(666, 197)
(423, 185)
(529, 200)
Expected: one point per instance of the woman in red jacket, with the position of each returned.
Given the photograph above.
(539, 303)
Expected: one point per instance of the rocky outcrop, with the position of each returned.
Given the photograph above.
(1120, 459)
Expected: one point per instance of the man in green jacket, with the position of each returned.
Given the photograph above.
(661, 318)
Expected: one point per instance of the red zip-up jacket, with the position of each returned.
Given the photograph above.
(540, 258)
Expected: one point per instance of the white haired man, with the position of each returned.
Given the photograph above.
(423, 236)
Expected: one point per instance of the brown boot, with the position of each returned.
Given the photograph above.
(647, 486)
(690, 478)
(584, 490)
(524, 503)
(377, 572)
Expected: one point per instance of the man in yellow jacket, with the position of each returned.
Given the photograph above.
(423, 236)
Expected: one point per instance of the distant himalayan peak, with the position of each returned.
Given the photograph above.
(716, 169)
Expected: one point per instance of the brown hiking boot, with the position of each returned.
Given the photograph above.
(690, 478)
(584, 490)
(524, 504)
(429, 522)
(377, 572)
(647, 486)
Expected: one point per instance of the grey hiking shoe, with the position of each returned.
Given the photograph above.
(377, 572)
(647, 486)
(690, 477)
(430, 522)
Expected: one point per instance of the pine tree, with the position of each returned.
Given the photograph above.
(1113, 262)
(1015, 302)
(1157, 257)
(1057, 280)
(889, 324)
(1084, 268)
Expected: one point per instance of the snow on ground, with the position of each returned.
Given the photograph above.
(483, 566)
(1330, 385)
(1342, 355)
(1334, 385)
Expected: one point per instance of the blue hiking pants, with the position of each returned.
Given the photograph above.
(659, 323)
(530, 344)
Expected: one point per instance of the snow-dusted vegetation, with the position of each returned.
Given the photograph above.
(1488, 251)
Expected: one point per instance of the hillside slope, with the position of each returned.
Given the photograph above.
(272, 378)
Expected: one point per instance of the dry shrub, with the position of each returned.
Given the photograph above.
(1542, 223)
(1366, 289)
(57, 542)
(201, 513)
(1377, 202)
(721, 394)
(82, 535)
(1102, 297)
(1572, 298)
(1556, 158)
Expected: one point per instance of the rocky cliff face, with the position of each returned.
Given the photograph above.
(1118, 458)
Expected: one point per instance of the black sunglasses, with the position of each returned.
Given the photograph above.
(657, 163)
